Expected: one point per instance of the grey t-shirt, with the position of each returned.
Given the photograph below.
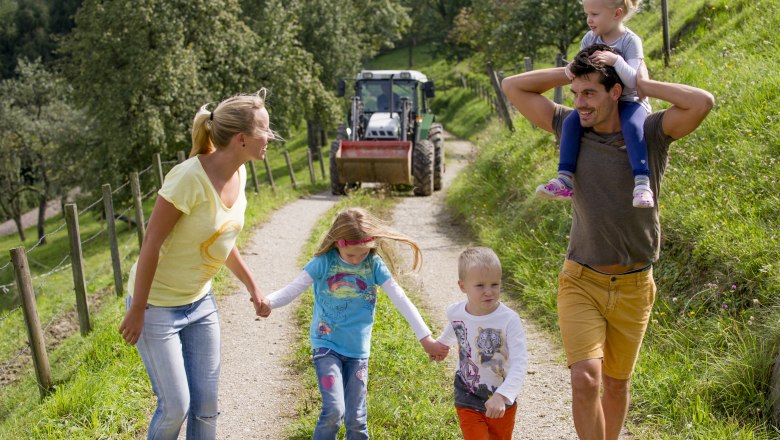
(606, 229)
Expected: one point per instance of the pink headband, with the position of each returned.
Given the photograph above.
(343, 243)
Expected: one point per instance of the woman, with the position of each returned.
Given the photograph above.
(172, 314)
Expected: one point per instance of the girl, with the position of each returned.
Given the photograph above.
(192, 231)
(605, 19)
(346, 271)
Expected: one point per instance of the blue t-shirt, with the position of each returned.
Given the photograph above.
(344, 302)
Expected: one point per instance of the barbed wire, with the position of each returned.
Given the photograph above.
(96, 273)
(141, 173)
(168, 162)
(102, 230)
(4, 288)
(2, 318)
(91, 206)
(40, 240)
(120, 187)
(154, 190)
(58, 268)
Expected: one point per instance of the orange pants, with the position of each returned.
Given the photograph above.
(476, 425)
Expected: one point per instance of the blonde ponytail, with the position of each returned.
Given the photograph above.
(201, 133)
(213, 130)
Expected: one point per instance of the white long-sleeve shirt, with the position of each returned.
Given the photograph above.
(492, 354)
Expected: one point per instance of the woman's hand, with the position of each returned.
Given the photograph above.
(132, 325)
(261, 303)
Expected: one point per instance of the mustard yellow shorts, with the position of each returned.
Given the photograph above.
(604, 316)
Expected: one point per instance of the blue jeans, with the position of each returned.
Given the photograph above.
(342, 382)
(632, 124)
(180, 348)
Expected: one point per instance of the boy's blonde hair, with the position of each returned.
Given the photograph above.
(479, 256)
(358, 225)
(213, 130)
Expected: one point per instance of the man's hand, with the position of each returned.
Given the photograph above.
(436, 350)
(495, 407)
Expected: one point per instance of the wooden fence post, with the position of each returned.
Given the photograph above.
(269, 174)
(529, 64)
(135, 185)
(32, 321)
(558, 94)
(501, 105)
(116, 263)
(158, 169)
(254, 176)
(181, 156)
(665, 22)
(77, 263)
(290, 169)
(311, 167)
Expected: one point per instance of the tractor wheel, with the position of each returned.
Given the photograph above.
(336, 187)
(436, 136)
(422, 168)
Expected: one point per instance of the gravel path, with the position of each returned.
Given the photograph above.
(257, 390)
(544, 411)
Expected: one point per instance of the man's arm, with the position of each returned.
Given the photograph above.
(525, 93)
(690, 105)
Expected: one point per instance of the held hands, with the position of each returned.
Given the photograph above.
(436, 350)
(495, 406)
(604, 57)
(261, 303)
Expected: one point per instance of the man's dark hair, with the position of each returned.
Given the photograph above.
(582, 65)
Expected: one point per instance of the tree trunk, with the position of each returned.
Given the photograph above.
(19, 227)
(411, 51)
(312, 137)
(42, 218)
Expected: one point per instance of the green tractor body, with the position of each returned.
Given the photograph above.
(390, 136)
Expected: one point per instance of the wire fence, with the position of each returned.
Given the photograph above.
(41, 281)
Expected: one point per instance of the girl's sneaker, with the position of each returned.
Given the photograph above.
(643, 197)
(555, 189)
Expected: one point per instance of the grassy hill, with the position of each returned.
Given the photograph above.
(704, 371)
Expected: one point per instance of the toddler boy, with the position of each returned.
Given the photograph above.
(492, 357)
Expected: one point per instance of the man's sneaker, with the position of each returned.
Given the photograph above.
(643, 197)
(554, 190)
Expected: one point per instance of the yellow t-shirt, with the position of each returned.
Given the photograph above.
(201, 240)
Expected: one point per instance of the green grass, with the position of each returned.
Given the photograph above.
(408, 395)
(101, 388)
(705, 366)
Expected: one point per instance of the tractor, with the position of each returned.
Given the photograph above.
(390, 137)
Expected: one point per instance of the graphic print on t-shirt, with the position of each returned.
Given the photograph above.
(467, 369)
(492, 353)
(211, 264)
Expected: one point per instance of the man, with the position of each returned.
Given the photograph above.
(383, 100)
(606, 290)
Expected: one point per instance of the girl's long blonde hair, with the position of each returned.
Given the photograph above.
(357, 224)
(213, 130)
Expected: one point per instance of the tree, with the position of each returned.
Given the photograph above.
(141, 69)
(505, 31)
(38, 132)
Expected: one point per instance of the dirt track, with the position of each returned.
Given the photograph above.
(258, 392)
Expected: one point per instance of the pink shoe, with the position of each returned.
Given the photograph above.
(643, 197)
(554, 190)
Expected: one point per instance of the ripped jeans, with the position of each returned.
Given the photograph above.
(180, 347)
(342, 381)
